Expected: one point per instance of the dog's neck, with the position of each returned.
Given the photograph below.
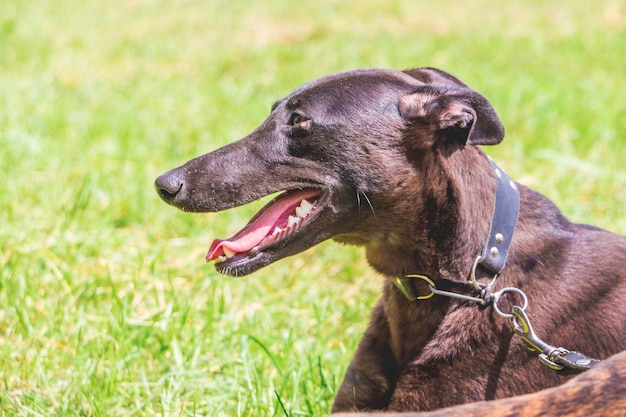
(495, 250)
(474, 218)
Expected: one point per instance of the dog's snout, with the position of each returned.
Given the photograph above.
(168, 186)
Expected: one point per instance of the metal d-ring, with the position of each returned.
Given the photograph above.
(475, 283)
(499, 294)
(479, 285)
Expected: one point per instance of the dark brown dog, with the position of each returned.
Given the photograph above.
(390, 161)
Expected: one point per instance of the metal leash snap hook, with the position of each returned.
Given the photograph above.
(521, 326)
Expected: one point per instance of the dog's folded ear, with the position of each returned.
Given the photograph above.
(459, 114)
(435, 76)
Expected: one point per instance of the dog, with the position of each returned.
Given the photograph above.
(392, 161)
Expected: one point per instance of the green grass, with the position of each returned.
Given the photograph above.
(106, 305)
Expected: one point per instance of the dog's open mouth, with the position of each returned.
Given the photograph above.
(278, 220)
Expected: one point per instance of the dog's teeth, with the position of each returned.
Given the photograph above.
(277, 231)
(221, 258)
(304, 208)
(228, 253)
(292, 220)
(306, 204)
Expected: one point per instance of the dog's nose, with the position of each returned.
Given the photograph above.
(168, 186)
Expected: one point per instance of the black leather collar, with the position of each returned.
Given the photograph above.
(503, 222)
(496, 249)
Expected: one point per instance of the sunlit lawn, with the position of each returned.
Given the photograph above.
(106, 305)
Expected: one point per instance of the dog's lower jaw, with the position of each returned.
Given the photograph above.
(351, 240)
(248, 265)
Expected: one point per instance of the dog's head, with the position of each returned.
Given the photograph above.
(338, 150)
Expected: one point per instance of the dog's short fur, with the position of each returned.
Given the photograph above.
(394, 163)
(600, 392)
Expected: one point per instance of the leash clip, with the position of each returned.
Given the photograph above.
(547, 353)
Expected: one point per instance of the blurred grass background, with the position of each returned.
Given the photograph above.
(106, 305)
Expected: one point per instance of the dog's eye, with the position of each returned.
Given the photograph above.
(297, 119)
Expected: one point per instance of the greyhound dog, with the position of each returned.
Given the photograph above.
(485, 280)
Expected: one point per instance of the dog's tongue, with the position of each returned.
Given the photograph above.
(261, 225)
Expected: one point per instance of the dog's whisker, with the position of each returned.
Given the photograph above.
(369, 203)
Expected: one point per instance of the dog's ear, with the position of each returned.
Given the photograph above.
(435, 76)
(460, 114)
